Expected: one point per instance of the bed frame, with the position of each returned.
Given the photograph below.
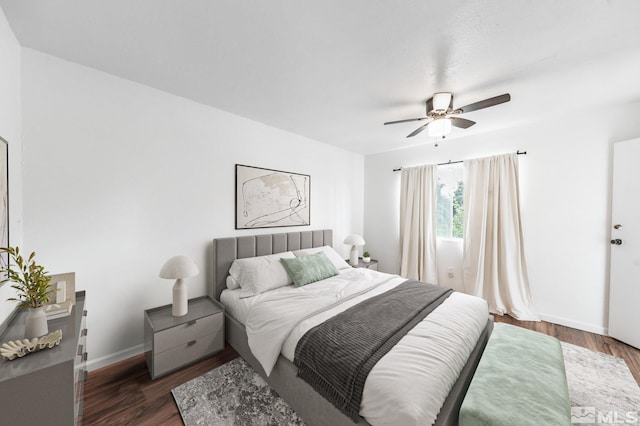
(307, 403)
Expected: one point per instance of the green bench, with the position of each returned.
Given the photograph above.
(520, 380)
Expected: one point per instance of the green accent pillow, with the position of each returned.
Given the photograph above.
(309, 269)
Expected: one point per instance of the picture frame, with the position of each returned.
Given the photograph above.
(267, 198)
(66, 280)
(62, 295)
(4, 203)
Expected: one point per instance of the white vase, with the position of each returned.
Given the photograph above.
(366, 259)
(36, 324)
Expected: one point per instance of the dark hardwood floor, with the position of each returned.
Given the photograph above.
(595, 342)
(124, 394)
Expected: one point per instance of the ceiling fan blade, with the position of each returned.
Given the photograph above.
(418, 130)
(406, 121)
(463, 123)
(486, 103)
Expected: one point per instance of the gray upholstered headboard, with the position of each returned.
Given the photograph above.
(226, 250)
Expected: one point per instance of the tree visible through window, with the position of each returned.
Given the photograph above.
(450, 201)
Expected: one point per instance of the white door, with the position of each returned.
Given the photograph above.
(624, 292)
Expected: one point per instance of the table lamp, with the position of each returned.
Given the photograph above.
(178, 268)
(354, 240)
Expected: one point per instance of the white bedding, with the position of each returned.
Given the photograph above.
(236, 305)
(410, 383)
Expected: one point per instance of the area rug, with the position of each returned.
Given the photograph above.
(232, 394)
(601, 389)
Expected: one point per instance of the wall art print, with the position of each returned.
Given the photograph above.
(4, 202)
(268, 198)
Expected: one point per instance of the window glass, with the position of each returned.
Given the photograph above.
(449, 203)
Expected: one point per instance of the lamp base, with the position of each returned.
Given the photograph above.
(353, 256)
(180, 299)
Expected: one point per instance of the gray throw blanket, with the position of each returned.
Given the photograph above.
(336, 356)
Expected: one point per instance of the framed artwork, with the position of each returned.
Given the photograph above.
(268, 198)
(62, 295)
(4, 202)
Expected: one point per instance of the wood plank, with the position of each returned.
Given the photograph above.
(124, 394)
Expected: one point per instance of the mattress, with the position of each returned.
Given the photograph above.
(235, 305)
(414, 378)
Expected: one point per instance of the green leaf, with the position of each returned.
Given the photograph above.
(29, 279)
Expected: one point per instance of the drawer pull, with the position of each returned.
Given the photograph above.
(84, 313)
(80, 349)
(85, 356)
(191, 343)
(192, 322)
(83, 332)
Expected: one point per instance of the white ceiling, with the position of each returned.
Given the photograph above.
(335, 70)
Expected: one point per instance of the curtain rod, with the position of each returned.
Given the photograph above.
(460, 161)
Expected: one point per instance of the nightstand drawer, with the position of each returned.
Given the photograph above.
(187, 332)
(187, 352)
(172, 342)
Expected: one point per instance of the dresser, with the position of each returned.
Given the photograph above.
(173, 342)
(46, 387)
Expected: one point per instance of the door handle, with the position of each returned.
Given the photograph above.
(617, 242)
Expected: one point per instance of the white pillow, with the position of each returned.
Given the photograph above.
(333, 255)
(256, 275)
(232, 284)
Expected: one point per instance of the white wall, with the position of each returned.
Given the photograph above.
(11, 131)
(119, 177)
(565, 199)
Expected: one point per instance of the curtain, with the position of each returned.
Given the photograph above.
(494, 265)
(418, 224)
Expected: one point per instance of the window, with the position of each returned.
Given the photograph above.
(449, 202)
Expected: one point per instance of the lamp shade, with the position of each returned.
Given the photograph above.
(441, 101)
(179, 267)
(354, 240)
(439, 127)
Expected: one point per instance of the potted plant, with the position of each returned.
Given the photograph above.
(33, 287)
(366, 258)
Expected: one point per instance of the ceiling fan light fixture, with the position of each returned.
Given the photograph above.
(441, 101)
(439, 127)
(441, 115)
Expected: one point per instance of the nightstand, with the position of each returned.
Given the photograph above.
(172, 342)
(373, 264)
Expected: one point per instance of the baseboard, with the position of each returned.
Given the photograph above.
(592, 328)
(94, 364)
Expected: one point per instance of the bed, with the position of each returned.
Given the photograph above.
(283, 377)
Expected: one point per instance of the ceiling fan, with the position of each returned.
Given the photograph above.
(441, 115)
